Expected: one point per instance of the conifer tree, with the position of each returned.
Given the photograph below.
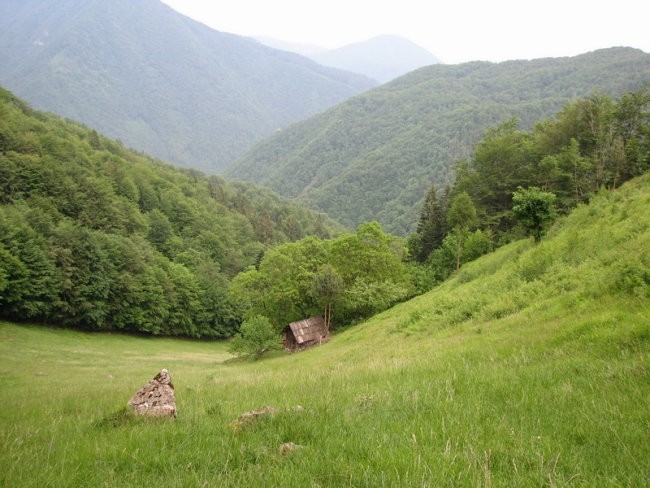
(432, 226)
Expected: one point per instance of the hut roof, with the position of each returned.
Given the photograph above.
(311, 329)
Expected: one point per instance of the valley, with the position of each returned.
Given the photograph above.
(386, 272)
(509, 374)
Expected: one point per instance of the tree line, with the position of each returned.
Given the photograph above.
(350, 278)
(96, 236)
(516, 181)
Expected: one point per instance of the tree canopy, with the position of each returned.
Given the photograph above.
(256, 337)
(516, 181)
(374, 156)
(350, 277)
(95, 236)
(534, 210)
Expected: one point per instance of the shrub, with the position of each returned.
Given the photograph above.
(534, 209)
(256, 337)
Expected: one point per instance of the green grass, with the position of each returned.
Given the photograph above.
(530, 367)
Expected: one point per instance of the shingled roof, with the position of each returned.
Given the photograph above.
(306, 332)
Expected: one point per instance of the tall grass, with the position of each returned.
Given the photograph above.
(530, 367)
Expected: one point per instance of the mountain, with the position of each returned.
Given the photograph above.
(381, 58)
(375, 156)
(96, 236)
(294, 47)
(160, 82)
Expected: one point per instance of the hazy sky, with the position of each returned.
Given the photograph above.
(453, 30)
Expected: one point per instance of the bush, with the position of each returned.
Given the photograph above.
(256, 337)
(534, 209)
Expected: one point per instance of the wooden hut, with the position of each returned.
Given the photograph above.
(305, 333)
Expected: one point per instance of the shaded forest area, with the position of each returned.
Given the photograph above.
(96, 236)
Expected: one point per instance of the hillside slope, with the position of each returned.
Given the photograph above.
(160, 82)
(531, 367)
(96, 236)
(376, 155)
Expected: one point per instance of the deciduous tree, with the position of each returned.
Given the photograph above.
(327, 287)
(461, 218)
(256, 337)
(534, 209)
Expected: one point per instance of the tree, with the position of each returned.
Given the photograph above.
(372, 269)
(160, 229)
(282, 288)
(501, 162)
(328, 285)
(257, 336)
(632, 125)
(30, 278)
(534, 209)
(477, 244)
(461, 218)
(370, 254)
(431, 227)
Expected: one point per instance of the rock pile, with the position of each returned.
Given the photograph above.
(156, 398)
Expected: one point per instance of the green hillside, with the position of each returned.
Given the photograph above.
(375, 156)
(160, 82)
(96, 236)
(530, 367)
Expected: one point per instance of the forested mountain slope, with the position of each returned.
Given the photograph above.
(160, 82)
(375, 155)
(96, 236)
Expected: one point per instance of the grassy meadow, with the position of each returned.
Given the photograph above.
(530, 367)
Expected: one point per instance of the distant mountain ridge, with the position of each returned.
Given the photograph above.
(294, 47)
(375, 156)
(157, 80)
(382, 58)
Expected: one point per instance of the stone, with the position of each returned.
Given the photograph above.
(256, 413)
(248, 417)
(156, 398)
(288, 447)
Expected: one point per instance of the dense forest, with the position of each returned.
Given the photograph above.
(160, 82)
(515, 184)
(373, 156)
(93, 235)
(517, 181)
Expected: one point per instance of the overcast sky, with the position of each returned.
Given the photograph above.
(453, 30)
